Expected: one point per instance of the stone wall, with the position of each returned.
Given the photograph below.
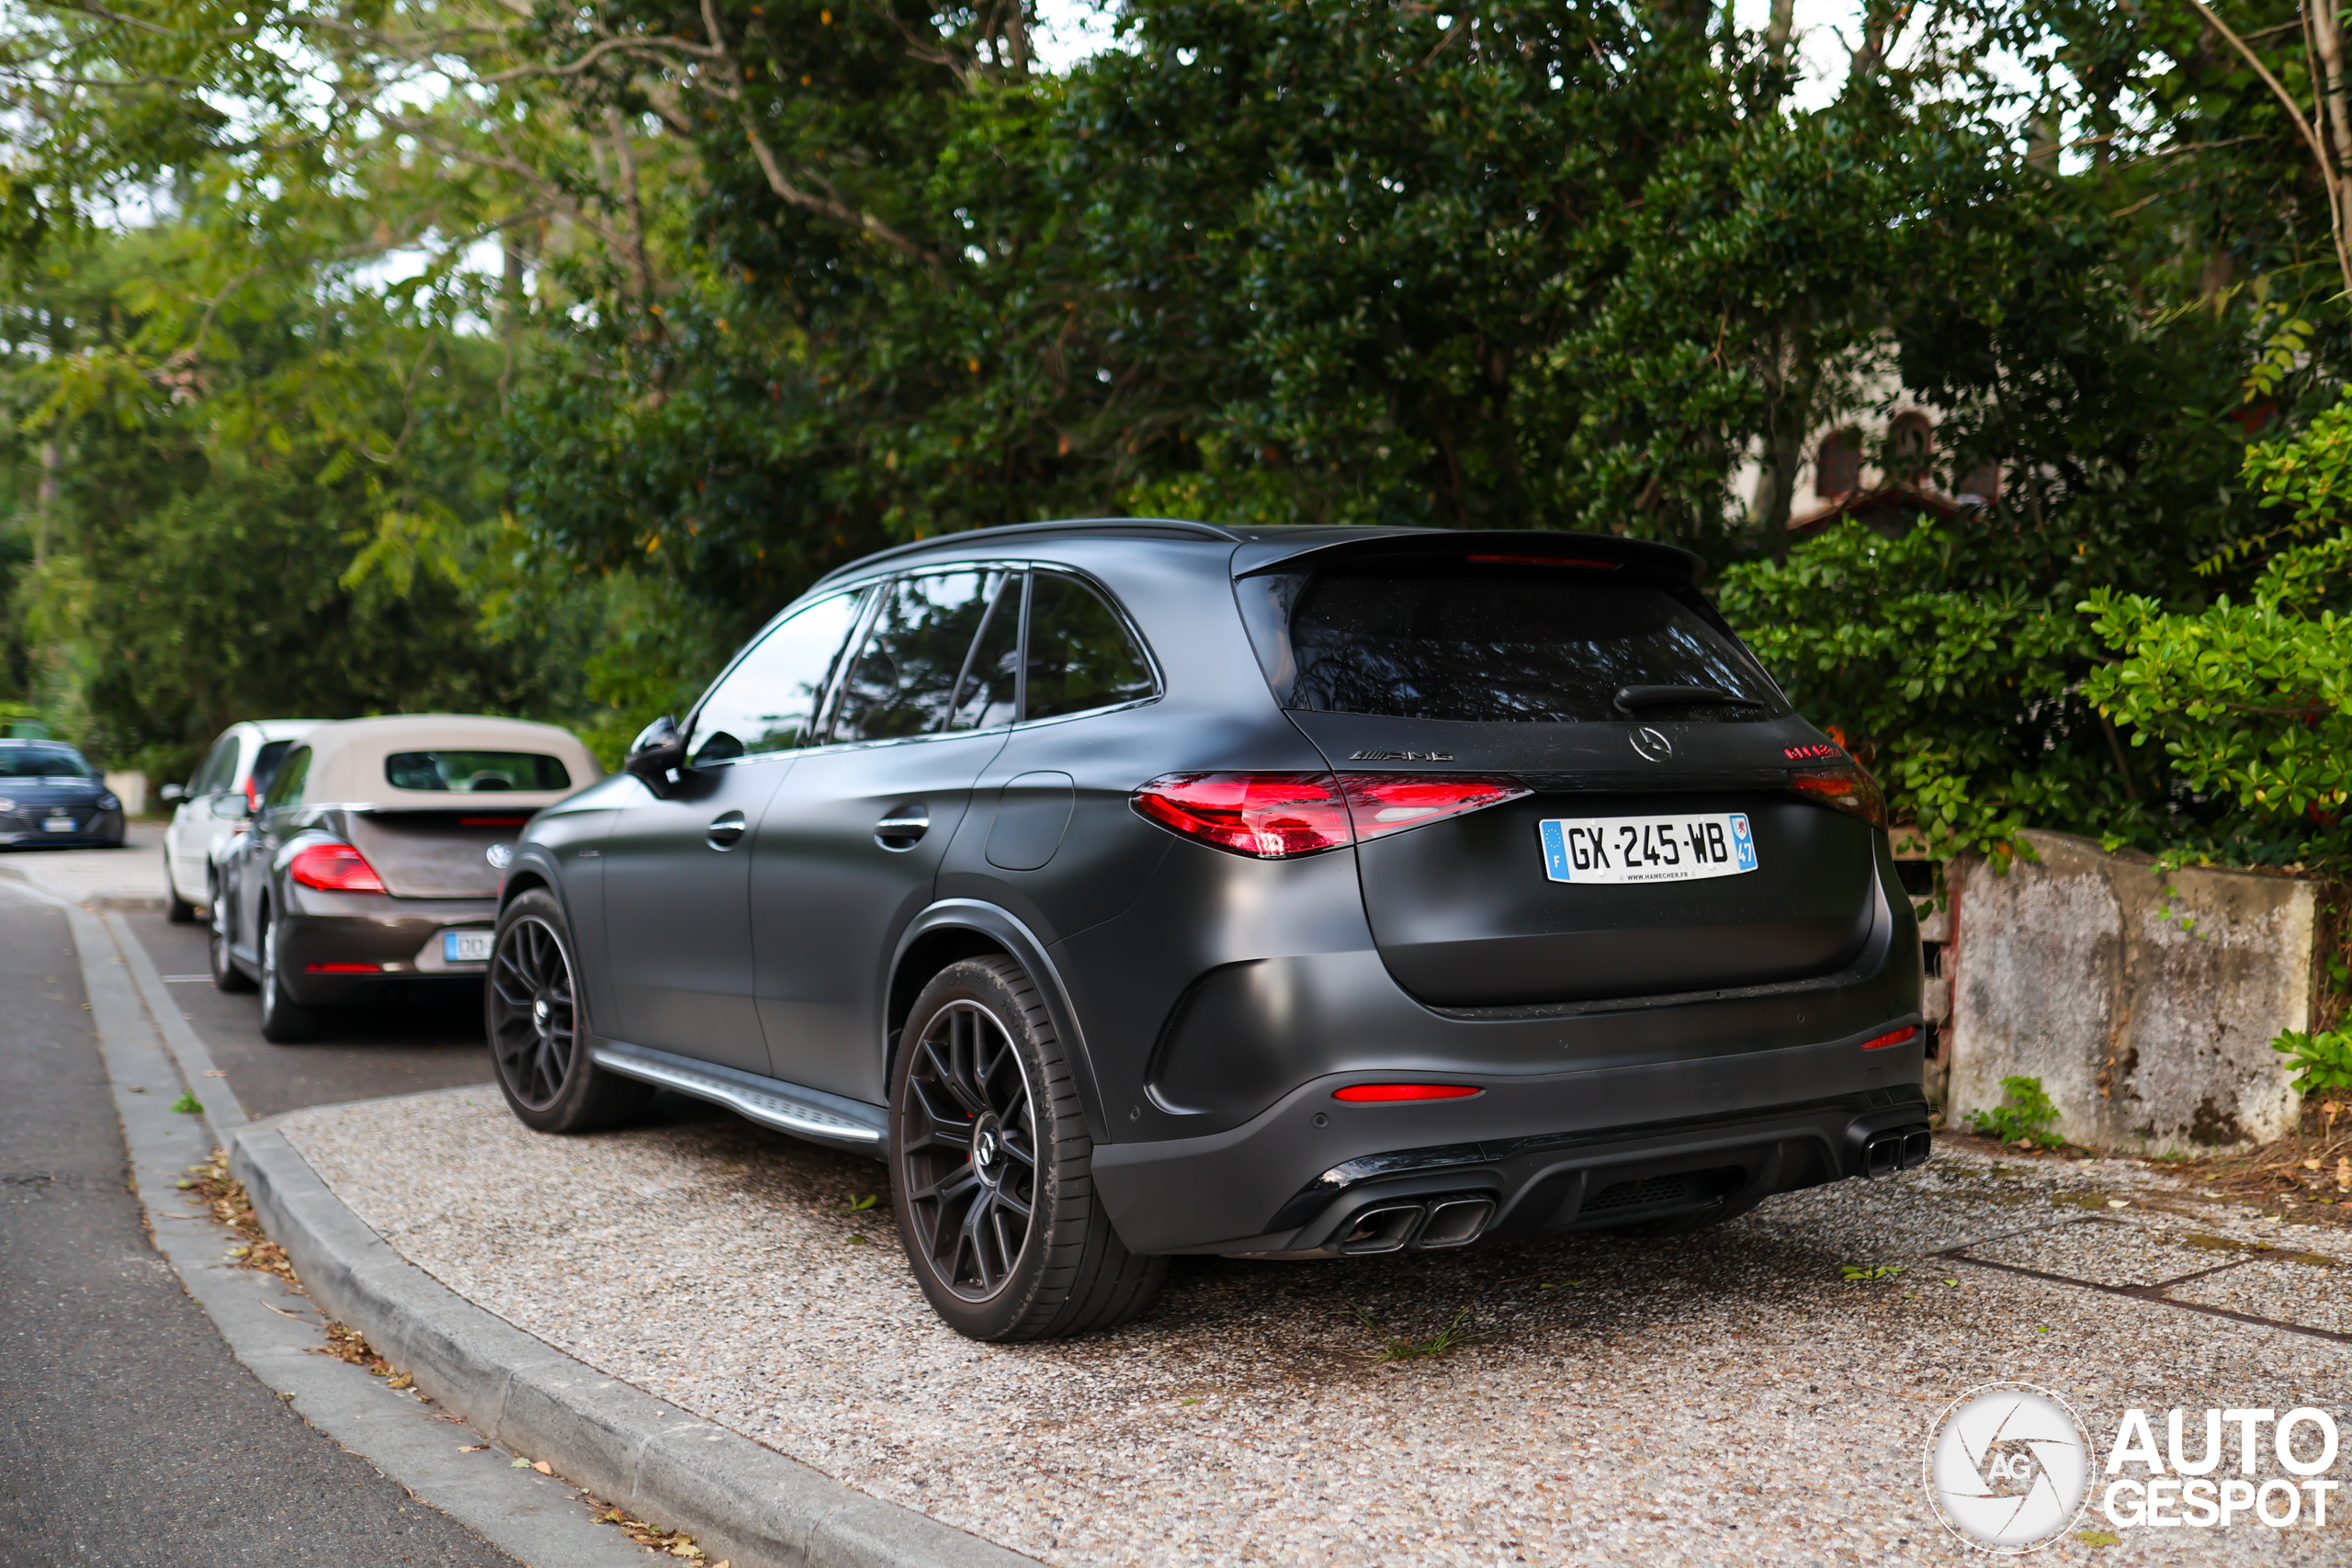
(2145, 1005)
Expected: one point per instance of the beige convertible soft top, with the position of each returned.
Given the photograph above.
(347, 760)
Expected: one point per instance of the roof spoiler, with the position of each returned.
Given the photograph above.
(1530, 547)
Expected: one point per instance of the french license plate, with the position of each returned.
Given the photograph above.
(465, 947)
(57, 823)
(1648, 849)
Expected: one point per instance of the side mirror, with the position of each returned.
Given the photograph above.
(233, 806)
(172, 791)
(658, 748)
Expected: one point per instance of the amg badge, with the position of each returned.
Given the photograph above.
(1400, 757)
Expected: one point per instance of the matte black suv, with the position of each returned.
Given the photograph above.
(1147, 887)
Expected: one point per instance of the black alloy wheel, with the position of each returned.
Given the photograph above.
(226, 975)
(991, 1167)
(971, 1150)
(534, 1027)
(537, 1034)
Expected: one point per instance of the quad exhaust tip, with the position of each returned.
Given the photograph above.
(1424, 1224)
(1904, 1149)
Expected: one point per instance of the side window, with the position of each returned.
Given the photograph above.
(904, 678)
(286, 787)
(770, 701)
(992, 679)
(1081, 655)
(213, 776)
(265, 762)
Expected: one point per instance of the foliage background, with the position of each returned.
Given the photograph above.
(357, 356)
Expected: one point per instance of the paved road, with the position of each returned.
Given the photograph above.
(128, 1436)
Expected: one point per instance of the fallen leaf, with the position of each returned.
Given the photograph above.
(520, 1464)
(543, 1468)
(2311, 1165)
(472, 1448)
(2116, 1203)
(2100, 1537)
(403, 1381)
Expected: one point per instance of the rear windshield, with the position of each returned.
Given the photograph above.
(1520, 643)
(474, 772)
(43, 762)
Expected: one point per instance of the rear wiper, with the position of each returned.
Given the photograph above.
(1629, 698)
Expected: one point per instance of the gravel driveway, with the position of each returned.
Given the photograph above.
(1729, 1397)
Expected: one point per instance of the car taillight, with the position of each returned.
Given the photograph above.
(1848, 788)
(1279, 816)
(1390, 803)
(1270, 816)
(333, 868)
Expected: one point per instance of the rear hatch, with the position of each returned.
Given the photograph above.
(435, 854)
(1678, 858)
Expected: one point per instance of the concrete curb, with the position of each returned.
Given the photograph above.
(741, 1501)
(273, 1331)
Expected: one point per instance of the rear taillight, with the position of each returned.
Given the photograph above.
(333, 868)
(1848, 788)
(1279, 816)
(1390, 803)
(1270, 816)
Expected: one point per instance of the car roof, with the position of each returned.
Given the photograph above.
(347, 758)
(280, 729)
(1260, 547)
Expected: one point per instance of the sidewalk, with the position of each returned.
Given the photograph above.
(130, 877)
(1730, 1397)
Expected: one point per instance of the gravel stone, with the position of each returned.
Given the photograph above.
(1728, 1397)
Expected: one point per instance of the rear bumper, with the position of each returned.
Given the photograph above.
(388, 935)
(1569, 1151)
(24, 831)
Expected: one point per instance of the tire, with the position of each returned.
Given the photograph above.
(177, 909)
(531, 1015)
(284, 1020)
(226, 975)
(991, 1167)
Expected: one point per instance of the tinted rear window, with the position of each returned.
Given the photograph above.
(1492, 644)
(265, 762)
(474, 772)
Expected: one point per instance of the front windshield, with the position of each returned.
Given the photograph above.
(43, 762)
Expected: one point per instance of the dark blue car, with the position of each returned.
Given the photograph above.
(50, 796)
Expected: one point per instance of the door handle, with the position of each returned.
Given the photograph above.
(902, 828)
(726, 830)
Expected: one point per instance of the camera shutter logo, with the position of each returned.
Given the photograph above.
(2008, 1467)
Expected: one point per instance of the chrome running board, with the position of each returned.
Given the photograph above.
(771, 1102)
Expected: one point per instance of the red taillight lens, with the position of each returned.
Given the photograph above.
(1848, 788)
(1903, 1036)
(1277, 816)
(1390, 803)
(1270, 816)
(1383, 1093)
(342, 968)
(333, 868)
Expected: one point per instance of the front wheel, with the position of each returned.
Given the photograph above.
(226, 975)
(531, 1007)
(284, 1020)
(177, 909)
(992, 1167)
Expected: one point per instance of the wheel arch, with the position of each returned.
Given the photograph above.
(955, 929)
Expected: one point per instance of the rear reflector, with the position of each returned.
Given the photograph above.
(1903, 1036)
(342, 968)
(333, 868)
(492, 822)
(1848, 787)
(1362, 1093)
(1278, 816)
